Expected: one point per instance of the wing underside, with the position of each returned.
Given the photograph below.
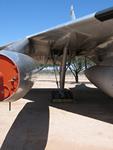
(86, 36)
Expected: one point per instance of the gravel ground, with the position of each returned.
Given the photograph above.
(37, 124)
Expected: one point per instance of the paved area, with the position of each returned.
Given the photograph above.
(37, 124)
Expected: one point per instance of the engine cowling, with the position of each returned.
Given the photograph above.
(102, 77)
(16, 75)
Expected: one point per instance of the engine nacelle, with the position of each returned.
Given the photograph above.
(102, 77)
(16, 75)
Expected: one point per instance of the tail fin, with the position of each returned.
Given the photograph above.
(72, 13)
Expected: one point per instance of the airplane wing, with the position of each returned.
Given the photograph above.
(6, 45)
(88, 36)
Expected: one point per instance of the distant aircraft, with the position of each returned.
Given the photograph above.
(90, 36)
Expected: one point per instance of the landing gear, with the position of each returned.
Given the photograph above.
(62, 94)
(63, 68)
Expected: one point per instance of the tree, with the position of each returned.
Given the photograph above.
(76, 66)
(79, 64)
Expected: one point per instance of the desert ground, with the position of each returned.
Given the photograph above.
(36, 123)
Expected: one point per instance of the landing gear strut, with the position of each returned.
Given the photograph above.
(9, 106)
(62, 95)
(63, 68)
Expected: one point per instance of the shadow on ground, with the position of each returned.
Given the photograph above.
(90, 102)
(30, 129)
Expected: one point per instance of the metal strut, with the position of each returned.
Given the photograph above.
(63, 67)
(63, 95)
(9, 106)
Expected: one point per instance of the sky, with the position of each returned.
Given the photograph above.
(20, 18)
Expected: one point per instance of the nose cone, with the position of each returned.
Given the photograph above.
(102, 77)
